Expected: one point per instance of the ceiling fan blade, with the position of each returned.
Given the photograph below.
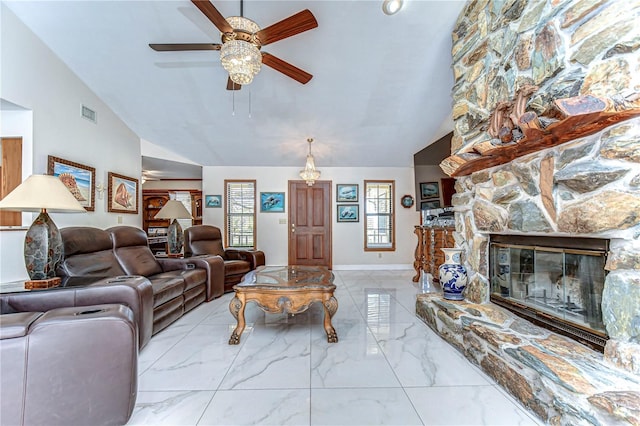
(233, 86)
(294, 24)
(286, 68)
(214, 16)
(174, 47)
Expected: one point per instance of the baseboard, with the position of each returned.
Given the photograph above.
(376, 267)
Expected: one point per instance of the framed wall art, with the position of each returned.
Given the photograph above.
(429, 190)
(348, 213)
(427, 205)
(123, 194)
(212, 201)
(272, 202)
(347, 193)
(80, 179)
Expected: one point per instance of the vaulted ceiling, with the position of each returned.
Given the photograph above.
(380, 92)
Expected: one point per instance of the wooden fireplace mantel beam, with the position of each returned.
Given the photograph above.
(580, 116)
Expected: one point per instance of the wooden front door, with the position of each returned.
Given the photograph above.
(310, 223)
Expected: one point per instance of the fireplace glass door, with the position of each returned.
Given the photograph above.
(558, 283)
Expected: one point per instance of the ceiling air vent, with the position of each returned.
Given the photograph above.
(89, 114)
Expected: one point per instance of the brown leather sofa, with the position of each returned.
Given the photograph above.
(68, 366)
(177, 285)
(207, 240)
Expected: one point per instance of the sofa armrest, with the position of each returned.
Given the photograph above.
(174, 263)
(17, 324)
(254, 257)
(74, 363)
(214, 265)
(136, 292)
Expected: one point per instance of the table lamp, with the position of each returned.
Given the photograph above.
(175, 210)
(42, 245)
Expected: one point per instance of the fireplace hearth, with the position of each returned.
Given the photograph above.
(554, 282)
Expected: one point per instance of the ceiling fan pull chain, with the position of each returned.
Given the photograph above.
(249, 103)
(233, 103)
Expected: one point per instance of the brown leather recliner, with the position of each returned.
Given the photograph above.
(174, 286)
(207, 239)
(68, 366)
(179, 285)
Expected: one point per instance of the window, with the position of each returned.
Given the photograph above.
(240, 213)
(379, 221)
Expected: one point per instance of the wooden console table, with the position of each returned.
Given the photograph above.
(428, 256)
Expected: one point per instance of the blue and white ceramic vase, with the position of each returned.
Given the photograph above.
(453, 276)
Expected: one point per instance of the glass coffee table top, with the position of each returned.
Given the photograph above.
(288, 277)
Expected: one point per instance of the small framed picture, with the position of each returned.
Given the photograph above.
(272, 202)
(503, 256)
(429, 190)
(123, 194)
(348, 213)
(80, 179)
(212, 201)
(427, 205)
(347, 193)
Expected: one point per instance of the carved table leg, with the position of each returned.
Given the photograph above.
(330, 308)
(236, 306)
(417, 262)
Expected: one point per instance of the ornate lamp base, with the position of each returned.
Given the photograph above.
(175, 238)
(42, 249)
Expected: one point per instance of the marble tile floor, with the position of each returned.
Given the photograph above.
(388, 367)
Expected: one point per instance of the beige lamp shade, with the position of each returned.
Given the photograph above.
(39, 192)
(174, 209)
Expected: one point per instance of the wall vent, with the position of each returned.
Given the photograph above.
(89, 114)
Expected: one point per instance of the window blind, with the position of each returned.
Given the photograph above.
(240, 213)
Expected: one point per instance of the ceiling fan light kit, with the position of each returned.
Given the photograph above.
(242, 40)
(240, 54)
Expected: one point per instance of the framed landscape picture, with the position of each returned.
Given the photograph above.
(80, 179)
(347, 192)
(433, 204)
(212, 201)
(348, 213)
(272, 202)
(123, 194)
(429, 190)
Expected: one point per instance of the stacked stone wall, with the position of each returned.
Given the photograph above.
(586, 187)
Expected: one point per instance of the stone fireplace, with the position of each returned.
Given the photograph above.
(547, 143)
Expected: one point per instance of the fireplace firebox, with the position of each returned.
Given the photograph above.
(555, 282)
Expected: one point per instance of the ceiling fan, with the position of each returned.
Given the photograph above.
(242, 40)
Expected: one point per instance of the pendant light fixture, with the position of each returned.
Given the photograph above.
(310, 174)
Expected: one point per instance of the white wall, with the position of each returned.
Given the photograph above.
(173, 185)
(33, 78)
(348, 238)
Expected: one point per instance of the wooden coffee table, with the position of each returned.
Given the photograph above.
(291, 289)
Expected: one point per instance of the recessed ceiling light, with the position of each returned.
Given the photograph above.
(391, 7)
